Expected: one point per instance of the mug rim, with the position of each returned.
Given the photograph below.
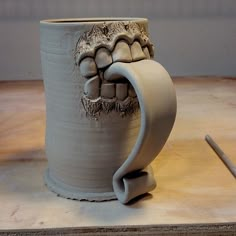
(92, 20)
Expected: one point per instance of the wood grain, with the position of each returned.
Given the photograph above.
(22, 120)
(193, 186)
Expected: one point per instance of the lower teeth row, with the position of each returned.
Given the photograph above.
(95, 88)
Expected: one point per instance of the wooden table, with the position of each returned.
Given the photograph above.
(195, 192)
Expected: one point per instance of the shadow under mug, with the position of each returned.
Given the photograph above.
(109, 107)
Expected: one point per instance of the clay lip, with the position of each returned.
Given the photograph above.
(95, 20)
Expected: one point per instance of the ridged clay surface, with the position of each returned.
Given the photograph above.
(98, 142)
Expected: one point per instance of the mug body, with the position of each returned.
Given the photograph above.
(85, 146)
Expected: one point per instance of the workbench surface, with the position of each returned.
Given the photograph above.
(193, 185)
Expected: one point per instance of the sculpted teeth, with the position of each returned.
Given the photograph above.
(121, 91)
(108, 90)
(121, 52)
(88, 67)
(105, 91)
(146, 52)
(92, 87)
(103, 58)
(137, 52)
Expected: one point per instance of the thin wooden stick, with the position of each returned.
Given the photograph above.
(221, 155)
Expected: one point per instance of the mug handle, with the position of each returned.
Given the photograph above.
(157, 101)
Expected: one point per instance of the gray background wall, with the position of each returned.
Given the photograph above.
(192, 37)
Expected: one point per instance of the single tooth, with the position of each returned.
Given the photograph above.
(121, 52)
(88, 67)
(146, 52)
(108, 90)
(121, 91)
(91, 87)
(131, 91)
(103, 58)
(136, 51)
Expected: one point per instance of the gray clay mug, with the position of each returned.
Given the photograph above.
(109, 107)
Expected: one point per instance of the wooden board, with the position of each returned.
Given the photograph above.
(195, 192)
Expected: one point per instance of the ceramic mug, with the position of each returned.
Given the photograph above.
(109, 107)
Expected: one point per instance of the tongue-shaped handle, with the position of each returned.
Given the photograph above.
(157, 101)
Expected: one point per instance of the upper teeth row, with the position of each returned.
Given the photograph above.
(122, 53)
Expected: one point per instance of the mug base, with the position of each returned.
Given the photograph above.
(65, 191)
